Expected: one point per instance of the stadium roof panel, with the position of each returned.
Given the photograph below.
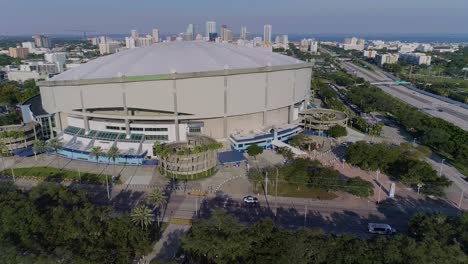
(180, 57)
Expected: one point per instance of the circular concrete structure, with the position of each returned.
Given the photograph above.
(322, 119)
(195, 156)
(167, 91)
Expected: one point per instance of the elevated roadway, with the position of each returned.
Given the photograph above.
(433, 106)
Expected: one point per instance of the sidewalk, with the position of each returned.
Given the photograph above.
(167, 246)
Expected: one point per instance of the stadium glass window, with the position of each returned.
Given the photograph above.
(113, 127)
(136, 129)
(156, 129)
(194, 129)
(157, 137)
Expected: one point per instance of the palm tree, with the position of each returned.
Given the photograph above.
(55, 144)
(38, 147)
(157, 199)
(97, 152)
(142, 216)
(113, 153)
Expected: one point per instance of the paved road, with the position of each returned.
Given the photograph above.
(430, 105)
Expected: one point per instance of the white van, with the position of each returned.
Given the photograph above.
(382, 229)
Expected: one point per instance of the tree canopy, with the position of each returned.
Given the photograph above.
(53, 224)
(222, 239)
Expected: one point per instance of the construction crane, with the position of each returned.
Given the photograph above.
(84, 31)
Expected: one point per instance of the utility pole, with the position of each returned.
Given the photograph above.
(13, 174)
(196, 207)
(380, 190)
(276, 193)
(440, 168)
(419, 186)
(266, 183)
(305, 215)
(461, 199)
(107, 185)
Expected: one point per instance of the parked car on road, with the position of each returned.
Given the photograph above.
(250, 200)
(381, 229)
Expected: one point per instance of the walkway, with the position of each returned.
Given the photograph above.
(167, 246)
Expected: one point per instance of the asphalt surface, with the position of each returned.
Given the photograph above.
(430, 105)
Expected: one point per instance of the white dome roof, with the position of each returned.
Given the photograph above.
(180, 57)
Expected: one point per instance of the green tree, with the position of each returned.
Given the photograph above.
(337, 131)
(113, 153)
(142, 216)
(55, 144)
(254, 150)
(97, 152)
(158, 200)
(39, 146)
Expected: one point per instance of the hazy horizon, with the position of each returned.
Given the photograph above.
(26, 17)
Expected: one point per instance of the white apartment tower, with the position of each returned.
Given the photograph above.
(243, 33)
(155, 35)
(267, 33)
(210, 28)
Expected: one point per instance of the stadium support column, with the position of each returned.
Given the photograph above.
(267, 84)
(225, 121)
(85, 117)
(127, 122)
(176, 113)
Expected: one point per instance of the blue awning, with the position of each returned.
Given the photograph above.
(23, 152)
(232, 156)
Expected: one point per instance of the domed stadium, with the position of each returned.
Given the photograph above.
(168, 91)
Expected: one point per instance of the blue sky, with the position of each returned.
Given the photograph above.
(287, 16)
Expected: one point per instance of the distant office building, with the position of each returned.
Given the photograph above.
(199, 37)
(353, 44)
(130, 43)
(407, 48)
(29, 45)
(425, 48)
(282, 40)
(108, 48)
(58, 58)
(416, 58)
(388, 58)
(190, 32)
(226, 34)
(267, 33)
(309, 45)
(134, 34)
(213, 36)
(155, 35)
(243, 33)
(370, 54)
(18, 52)
(210, 28)
(41, 41)
(144, 42)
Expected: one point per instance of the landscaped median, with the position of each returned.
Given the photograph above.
(309, 179)
(54, 174)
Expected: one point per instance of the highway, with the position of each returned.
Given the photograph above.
(430, 105)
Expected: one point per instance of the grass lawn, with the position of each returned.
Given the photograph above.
(54, 174)
(193, 177)
(292, 190)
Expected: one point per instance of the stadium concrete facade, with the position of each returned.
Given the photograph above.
(167, 91)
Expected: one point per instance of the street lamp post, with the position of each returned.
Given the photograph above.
(440, 168)
(419, 186)
(344, 161)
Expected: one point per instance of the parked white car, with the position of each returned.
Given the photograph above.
(381, 229)
(250, 200)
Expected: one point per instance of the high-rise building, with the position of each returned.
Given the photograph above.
(18, 52)
(30, 45)
(210, 28)
(130, 43)
(144, 42)
(108, 48)
(134, 34)
(226, 34)
(190, 32)
(41, 41)
(243, 33)
(155, 35)
(267, 33)
(58, 58)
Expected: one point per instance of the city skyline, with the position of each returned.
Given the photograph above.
(293, 17)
